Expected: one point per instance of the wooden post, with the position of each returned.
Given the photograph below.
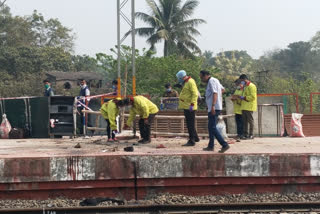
(196, 124)
(155, 127)
(182, 125)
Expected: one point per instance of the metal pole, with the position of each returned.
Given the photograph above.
(119, 48)
(297, 103)
(133, 34)
(311, 103)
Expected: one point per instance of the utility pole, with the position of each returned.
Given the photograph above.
(131, 23)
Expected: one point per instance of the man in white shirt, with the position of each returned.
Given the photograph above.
(214, 103)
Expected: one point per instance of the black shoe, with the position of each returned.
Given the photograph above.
(197, 140)
(145, 141)
(243, 137)
(223, 149)
(208, 149)
(190, 143)
(250, 137)
(141, 140)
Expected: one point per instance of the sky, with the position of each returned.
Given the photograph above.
(257, 26)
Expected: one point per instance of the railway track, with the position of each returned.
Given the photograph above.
(291, 207)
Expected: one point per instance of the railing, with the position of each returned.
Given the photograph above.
(283, 94)
(155, 125)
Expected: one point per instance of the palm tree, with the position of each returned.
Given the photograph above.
(169, 22)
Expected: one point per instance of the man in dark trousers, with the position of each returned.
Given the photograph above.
(214, 103)
(84, 92)
(147, 111)
(48, 90)
(188, 101)
(248, 106)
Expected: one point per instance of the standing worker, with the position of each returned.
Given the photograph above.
(214, 103)
(147, 112)
(188, 101)
(110, 111)
(84, 89)
(170, 92)
(248, 106)
(237, 108)
(84, 92)
(48, 90)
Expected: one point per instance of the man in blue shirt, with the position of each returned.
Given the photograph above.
(214, 103)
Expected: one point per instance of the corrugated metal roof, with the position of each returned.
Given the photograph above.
(310, 124)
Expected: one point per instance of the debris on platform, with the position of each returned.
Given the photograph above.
(128, 149)
(160, 146)
(78, 146)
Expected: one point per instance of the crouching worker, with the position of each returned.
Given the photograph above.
(147, 112)
(110, 111)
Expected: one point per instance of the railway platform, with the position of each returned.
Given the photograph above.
(50, 168)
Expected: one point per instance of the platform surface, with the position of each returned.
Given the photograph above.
(98, 146)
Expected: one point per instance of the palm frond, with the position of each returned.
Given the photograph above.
(187, 9)
(192, 22)
(154, 7)
(151, 20)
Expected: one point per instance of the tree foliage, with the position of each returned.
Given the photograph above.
(50, 33)
(169, 23)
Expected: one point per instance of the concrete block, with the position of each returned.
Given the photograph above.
(159, 166)
(203, 166)
(58, 169)
(80, 168)
(315, 165)
(1, 168)
(87, 167)
(289, 165)
(114, 167)
(26, 169)
(72, 168)
(247, 166)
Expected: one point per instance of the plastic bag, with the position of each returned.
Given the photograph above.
(5, 127)
(296, 126)
(221, 126)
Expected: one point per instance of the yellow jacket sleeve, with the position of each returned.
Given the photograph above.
(194, 92)
(144, 108)
(252, 94)
(113, 112)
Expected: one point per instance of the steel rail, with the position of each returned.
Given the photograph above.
(181, 208)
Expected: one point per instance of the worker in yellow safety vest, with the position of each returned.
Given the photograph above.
(110, 111)
(188, 101)
(237, 107)
(147, 111)
(248, 106)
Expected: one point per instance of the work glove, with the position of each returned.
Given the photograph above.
(115, 132)
(191, 108)
(241, 97)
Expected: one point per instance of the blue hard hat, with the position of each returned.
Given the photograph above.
(181, 74)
